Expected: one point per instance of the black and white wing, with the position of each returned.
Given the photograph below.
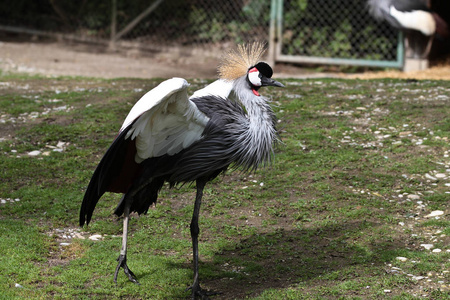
(164, 121)
(404, 14)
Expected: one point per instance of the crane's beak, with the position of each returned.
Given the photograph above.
(270, 82)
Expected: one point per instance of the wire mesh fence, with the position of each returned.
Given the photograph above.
(335, 28)
(170, 22)
(311, 28)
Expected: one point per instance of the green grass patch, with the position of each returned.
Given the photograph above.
(326, 221)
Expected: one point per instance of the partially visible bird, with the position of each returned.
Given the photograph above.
(415, 18)
(168, 137)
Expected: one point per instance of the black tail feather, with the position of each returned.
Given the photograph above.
(106, 172)
(90, 199)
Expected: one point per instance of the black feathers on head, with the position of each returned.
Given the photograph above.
(264, 69)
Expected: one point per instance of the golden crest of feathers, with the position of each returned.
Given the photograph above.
(236, 62)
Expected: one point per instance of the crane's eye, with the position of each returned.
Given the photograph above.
(254, 77)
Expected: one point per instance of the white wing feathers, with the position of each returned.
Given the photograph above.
(417, 19)
(165, 121)
(219, 88)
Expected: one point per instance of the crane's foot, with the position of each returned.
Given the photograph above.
(122, 259)
(198, 292)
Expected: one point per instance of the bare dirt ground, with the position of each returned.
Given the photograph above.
(52, 58)
(439, 70)
(74, 59)
(55, 59)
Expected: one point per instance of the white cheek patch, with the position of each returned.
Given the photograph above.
(253, 77)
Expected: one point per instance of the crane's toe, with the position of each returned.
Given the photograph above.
(122, 263)
(199, 293)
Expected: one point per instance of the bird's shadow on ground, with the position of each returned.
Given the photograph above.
(282, 258)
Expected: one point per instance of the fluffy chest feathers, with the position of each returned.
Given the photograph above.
(260, 134)
(242, 127)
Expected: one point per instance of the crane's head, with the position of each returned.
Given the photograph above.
(260, 75)
(245, 61)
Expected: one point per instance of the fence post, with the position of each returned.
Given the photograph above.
(139, 18)
(272, 33)
(112, 39)
(401, 50)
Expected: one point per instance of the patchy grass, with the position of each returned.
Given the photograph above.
(359, 170)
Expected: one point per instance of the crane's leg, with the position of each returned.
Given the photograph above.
(196, 289)
(122, 259)
(427, 50)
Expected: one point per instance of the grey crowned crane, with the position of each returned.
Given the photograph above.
(415, 18)
(169, 137)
